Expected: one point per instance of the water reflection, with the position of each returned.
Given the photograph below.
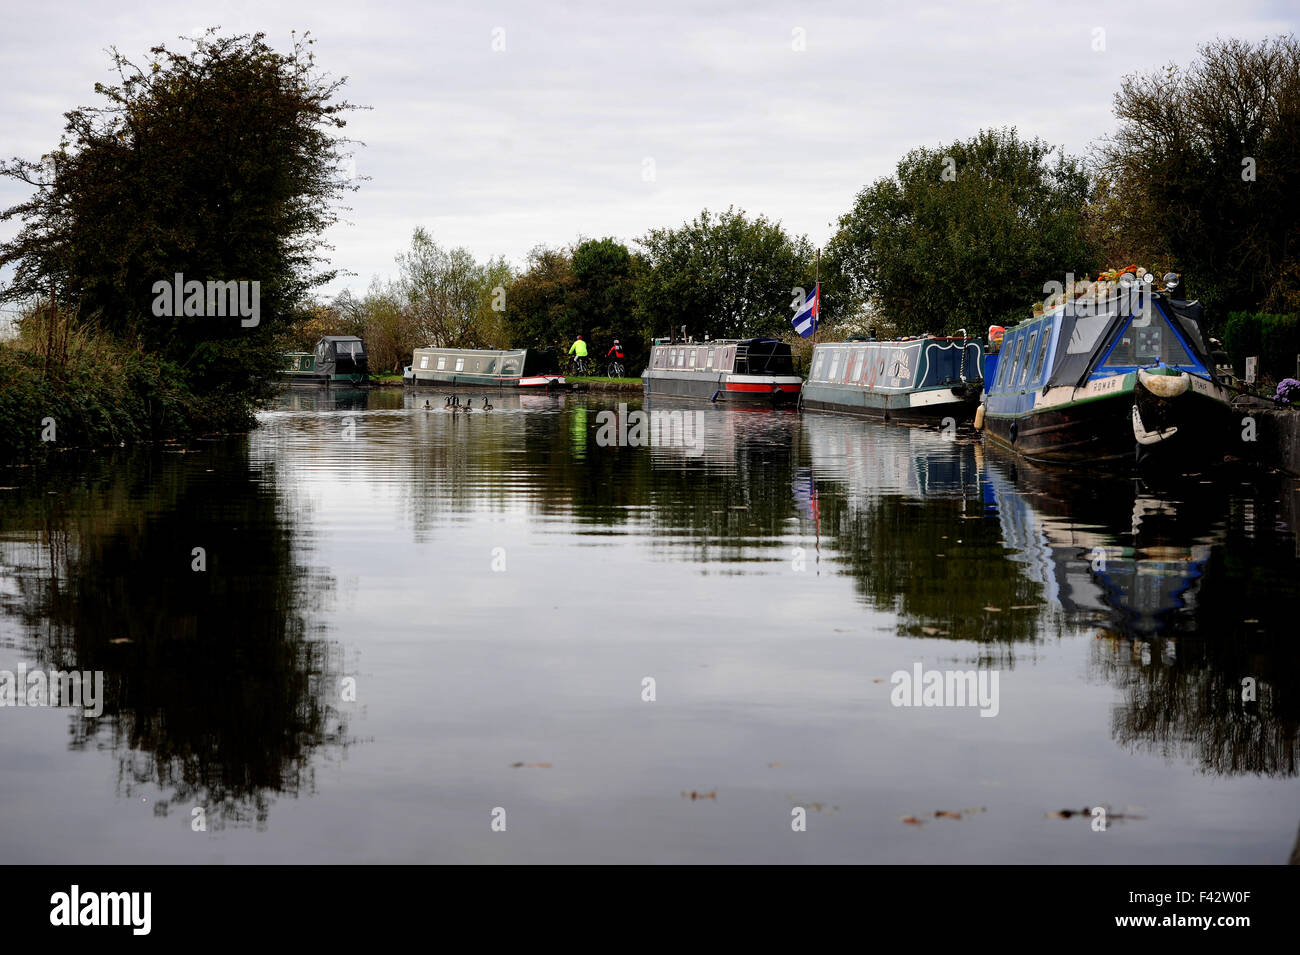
(905, 510)
(769, 571)
(1180, 587)
(219, 690)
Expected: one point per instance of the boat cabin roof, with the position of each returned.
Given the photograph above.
(477, 352)
(1073, 343)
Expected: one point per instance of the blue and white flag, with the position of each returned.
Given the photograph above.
(805, 321)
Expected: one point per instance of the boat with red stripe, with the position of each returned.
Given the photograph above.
(742, 371)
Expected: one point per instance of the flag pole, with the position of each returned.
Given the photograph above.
(817, 291)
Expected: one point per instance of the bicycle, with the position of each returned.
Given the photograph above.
(614, 369)
(581, 365)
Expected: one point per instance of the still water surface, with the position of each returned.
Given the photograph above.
(497, 587)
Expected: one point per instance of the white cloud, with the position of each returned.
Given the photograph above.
(545, 141)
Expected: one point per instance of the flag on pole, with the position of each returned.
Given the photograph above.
(805, 321)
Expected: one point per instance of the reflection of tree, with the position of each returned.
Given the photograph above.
(904, 555)
(1189, 608)
(216, 689)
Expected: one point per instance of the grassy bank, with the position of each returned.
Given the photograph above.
(594, 383)
(74, 389)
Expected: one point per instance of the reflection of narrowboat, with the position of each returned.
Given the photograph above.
(480, 368)
(1117, 376)
(337, 358)
(736, 371)
(1117, 552)
(910, 380)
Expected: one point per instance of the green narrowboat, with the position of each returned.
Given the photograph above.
(337, 358)
(480, 368)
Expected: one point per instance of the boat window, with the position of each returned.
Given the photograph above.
(835, 364)
(442, 362)
(1014, 364)
(1145, 341)
(1009, 371)
(868, 359)
(681, 357)
(1029, 355)
(710, 359)
(460, 364)
(1004, 361)
(510, 366)
(491, 367)
(1042, 354)
(1087, 330)
(424, 361)
(819, 364)
(692, 361)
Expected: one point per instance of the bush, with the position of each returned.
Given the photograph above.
(1275, 339)
(100, 393)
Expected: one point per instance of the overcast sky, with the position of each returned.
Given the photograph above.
(612, 118)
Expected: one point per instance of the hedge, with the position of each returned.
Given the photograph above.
(1275, 339)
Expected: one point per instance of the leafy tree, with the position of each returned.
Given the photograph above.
(965, 235)
(725, 275)
(451, 296)
(541, 304)
(222, 164)
(1206, 162)
(606, 275)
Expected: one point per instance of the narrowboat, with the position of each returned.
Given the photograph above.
(480, 368)
(337, 358)
(910, 380)
(1114, 375)
(749, 371)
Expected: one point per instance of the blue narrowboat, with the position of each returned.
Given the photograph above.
(1107, 377)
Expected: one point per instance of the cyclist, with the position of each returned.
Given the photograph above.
(616, 350)
(578, 350)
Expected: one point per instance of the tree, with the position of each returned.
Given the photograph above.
(726, 276)
(1208, 164)
(221, 165)
(605, 275)
(451, 296)
(965, 235)
(541, 306)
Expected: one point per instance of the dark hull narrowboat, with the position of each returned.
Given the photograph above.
(912, 381)
(480, 368)
(338, 359)
(1110, 382)
(752, 371)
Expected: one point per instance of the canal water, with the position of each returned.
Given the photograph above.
(566, 630)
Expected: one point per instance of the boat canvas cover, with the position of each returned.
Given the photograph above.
(1084, 331)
